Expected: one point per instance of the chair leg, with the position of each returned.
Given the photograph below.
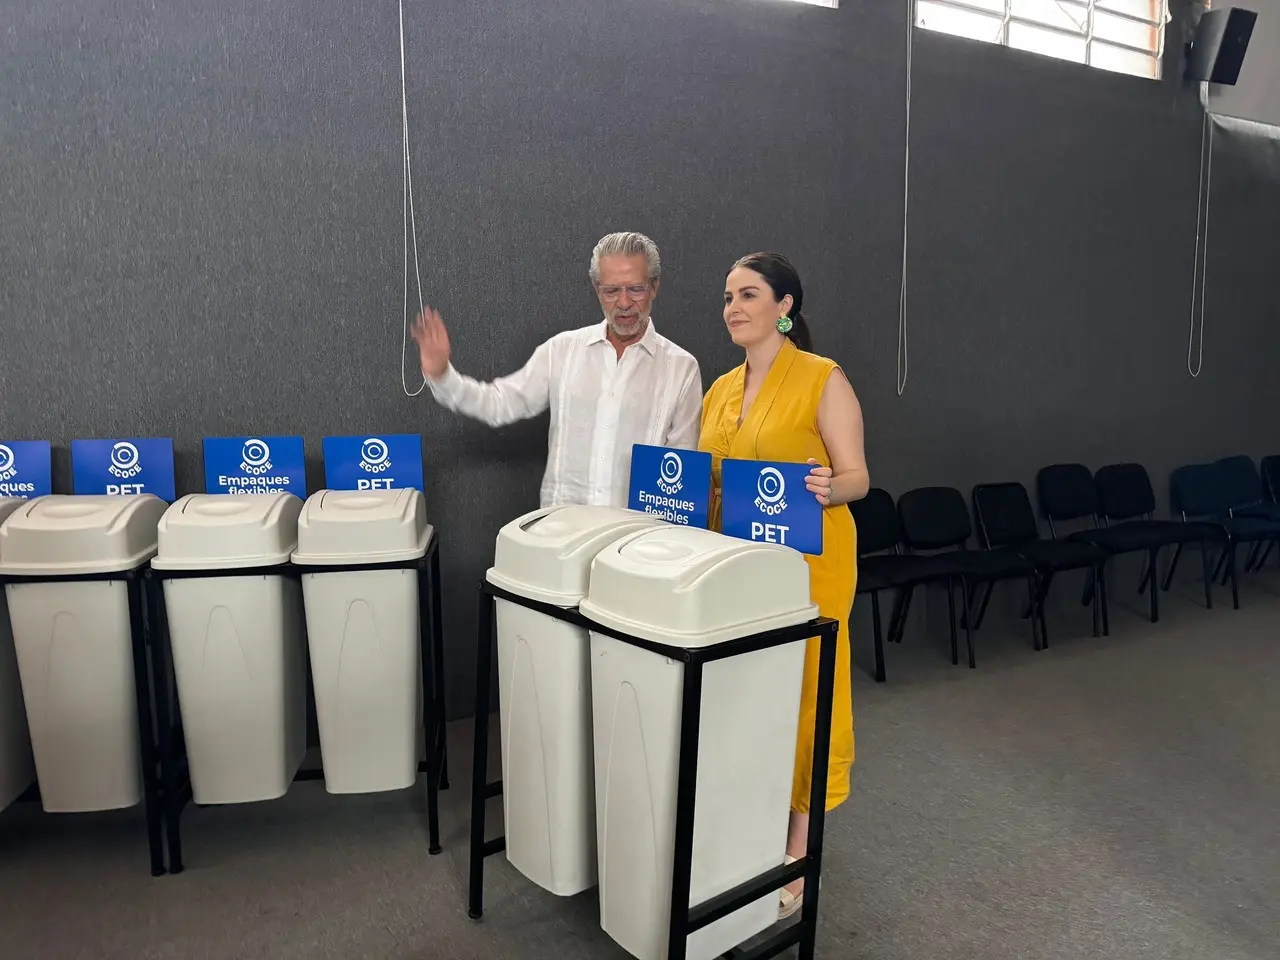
(1044, 577)
(982, 609)
(951, 621)
(878, 635)
(898, 619)
(1097, 596)
(968, 603)
(968, 621)
(1038, 640)
(1231, 572)
(1173, 565)
(1102, 596)
(1155, 587)
(1208, 580)
(1252, 564)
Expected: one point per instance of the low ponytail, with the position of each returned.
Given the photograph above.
(799, 332)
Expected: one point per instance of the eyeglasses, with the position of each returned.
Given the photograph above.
(611, 293)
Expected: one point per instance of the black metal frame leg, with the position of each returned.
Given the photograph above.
(481, 789)
(152, 794)
(437, 638)
(165, 690)
(431, 705)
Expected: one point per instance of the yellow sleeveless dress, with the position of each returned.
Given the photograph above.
(782, 425)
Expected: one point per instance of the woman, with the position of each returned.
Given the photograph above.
(788, 404)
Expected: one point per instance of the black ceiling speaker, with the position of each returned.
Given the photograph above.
(1217, 52)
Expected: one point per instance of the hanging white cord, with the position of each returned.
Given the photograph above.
(410, 222)
(1200, 270)
(906, 201)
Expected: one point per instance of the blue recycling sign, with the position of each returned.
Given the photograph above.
(123, 467)
(247, 465)
(769, 502)
(672, 484)
(366, 462)
(26, 468)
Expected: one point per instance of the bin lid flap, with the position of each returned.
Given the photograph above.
(546, 555)
(692, 588)
(224, 530)
(362, 527)
(71, 535)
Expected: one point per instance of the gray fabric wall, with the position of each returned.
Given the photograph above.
(201, 230)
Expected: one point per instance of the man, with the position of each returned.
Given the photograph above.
(609, 385)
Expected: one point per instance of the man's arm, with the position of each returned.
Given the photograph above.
(686, 421)
(517, 396)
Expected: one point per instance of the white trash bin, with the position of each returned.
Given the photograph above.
(544, 691)
(238, 643)
(74, 645)
(364, 633)
(17, 767)
(692, 588)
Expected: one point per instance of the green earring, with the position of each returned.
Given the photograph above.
(784, 324)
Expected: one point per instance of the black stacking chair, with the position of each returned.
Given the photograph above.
(1203, 492)
(936, 518)
(1127, 505)
(1271, 477)
(1247, 496)
(1005, 519)
(1243, 488)
(1270, 467)
(1119, 502)
(882, 566)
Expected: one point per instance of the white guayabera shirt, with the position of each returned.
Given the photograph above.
(600, 405)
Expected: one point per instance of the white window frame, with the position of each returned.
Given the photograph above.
(1085, 7)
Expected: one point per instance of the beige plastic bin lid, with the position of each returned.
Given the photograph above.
(61, 535)
(692, 588)
(362, 527)
(8, 505)
(546, 555)
(212, 531)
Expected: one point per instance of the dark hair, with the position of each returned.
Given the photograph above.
(783, 280)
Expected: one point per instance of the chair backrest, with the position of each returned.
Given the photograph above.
(1124, 491)
(1271, 476)
(934, 517)
(1241, 484)
(1004, 514)
(876, 519)
(1067, 491)
(1198, 490)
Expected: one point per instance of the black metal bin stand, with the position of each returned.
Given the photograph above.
(148, 723)
(685, 920)
(175, 773)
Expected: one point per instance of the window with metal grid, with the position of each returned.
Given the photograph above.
(1126, 36)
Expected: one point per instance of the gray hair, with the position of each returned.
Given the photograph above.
(626, 244)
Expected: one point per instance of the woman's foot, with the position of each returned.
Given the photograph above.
(791, 897)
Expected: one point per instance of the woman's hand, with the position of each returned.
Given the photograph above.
(818, 482)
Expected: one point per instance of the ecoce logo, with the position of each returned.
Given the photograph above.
(771, 490)
(7, 470)
(375, 457)
(670, 470)
(255, 456)
(125, 461)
